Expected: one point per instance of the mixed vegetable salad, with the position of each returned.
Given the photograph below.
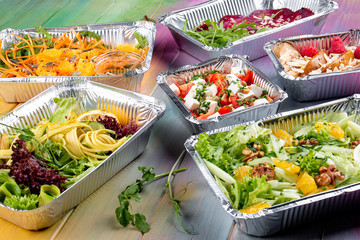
(215, 93)
(257, 168)
(39, 163)
(46, 55)
(233, 27)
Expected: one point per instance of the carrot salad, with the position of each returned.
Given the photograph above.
(59, 56)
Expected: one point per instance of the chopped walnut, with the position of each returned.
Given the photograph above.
(250, 155)
(355, 143)
(308, 142)
(263, 169)
(328, 175)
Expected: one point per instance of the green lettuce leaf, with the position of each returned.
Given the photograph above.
(66, 108)
(26, 202)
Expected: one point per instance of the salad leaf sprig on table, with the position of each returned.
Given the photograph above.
(257, 168)
(123, 214)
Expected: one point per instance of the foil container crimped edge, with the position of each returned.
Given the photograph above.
(127, 105)
(283, 216)
(216, 9)
(221, 63)
(318, 86)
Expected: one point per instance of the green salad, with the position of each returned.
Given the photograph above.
(258, 168)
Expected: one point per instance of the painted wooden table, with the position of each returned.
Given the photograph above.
(94, 218)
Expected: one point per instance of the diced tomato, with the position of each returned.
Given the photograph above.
(185, 88)
(219, 81)
(269, 98)
(239, 75)
(208, 77)
(224, 110)
(234, 102)
(204, 116)
(249, 78)
(224, 100)
(194, 115)
(215, 78)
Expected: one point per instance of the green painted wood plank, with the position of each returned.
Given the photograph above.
(79, 12)
(27, 13)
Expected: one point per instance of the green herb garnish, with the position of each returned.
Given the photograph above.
(123, 214)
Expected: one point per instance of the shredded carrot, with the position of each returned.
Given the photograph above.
(67, 55)
(269, 98)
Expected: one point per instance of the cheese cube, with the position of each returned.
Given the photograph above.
(199, 81)
(231, 77)
(238, 109)
(260, 101)
(175, 89)
(256, 90)
(234, 88)
(245, 96)
(217, 114)
(236, 70)
(212, 106)
(211, 91)
(192, 104)
(192, 92)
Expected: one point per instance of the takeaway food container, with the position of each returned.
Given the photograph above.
(144, 110)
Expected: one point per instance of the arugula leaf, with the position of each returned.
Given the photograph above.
(142, 41)
(217, 36)
(87, 33)
(48, 37)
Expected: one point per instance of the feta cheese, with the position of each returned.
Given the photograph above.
(236, 70)
(238, 109)
(232, 77)
(260, 101)
(175, 89)
(199, 81)
(211, 107)
(217, 114)
(211, 91)
(234, 88)
(256, 90)
(192, 92)
(246, 96)
(192, 104)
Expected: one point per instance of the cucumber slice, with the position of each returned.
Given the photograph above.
(95, 125)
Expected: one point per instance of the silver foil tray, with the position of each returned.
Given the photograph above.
(250, 45)
(126, 105)
(318, 86)
(280, 217)
(21, 89)
(225, 64)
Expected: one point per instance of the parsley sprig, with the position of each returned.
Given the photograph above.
(123, 214)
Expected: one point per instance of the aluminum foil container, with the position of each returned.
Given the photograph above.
(21, 89)
(224, 64)
(318, 86)
(250, 45)
(126, 105)
(311, 208)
